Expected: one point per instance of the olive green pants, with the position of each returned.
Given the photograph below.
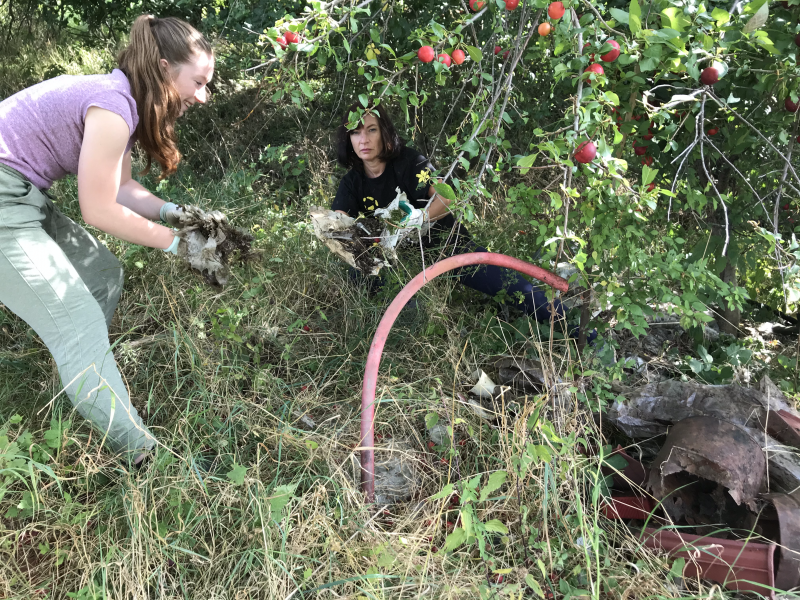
(65, 284)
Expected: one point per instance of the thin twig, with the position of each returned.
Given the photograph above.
(699, 126)
(576, 128)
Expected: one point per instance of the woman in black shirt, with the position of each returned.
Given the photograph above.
(379, 162)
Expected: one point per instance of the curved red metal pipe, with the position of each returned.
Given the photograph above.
(378, 342)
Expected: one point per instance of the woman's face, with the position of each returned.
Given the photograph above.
(366, 140)
(191, 79)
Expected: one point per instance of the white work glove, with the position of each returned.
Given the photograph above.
(172, 215)
(415, 217)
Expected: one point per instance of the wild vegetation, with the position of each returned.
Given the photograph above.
(686, 212)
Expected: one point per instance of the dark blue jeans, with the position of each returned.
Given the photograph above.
(489, 279)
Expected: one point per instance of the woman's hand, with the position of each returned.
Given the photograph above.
(109, 198)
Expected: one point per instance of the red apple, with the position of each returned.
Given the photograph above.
(282, 42)
(497, 50)
(458, 56)
(505, 54)
(555, 10)
(640, 150)
(591, 56)
(791, 106)
(291, 37)
(651, 187)
(713, 131)
(648, 137)
(476, 5)
(612, 54)
(647, 160)
(444, 57)
(512, 4)
(426, 54)
(786, 206)
(586, 151)
(595, 68)
(709, 76)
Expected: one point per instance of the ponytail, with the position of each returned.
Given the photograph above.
(157, 100)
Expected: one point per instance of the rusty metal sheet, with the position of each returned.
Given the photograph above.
(705, 462)
(787, 506)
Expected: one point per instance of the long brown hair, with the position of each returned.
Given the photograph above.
(157, 101)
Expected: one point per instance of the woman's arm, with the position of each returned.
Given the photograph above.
(134, 195)
(100, 173)
(438, 207)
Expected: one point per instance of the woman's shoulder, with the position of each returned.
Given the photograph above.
(412, 158)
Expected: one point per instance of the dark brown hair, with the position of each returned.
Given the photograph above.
(351, 121)
(157, 101)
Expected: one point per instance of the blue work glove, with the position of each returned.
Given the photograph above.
(173, 247)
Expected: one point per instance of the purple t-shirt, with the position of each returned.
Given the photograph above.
(41, 127)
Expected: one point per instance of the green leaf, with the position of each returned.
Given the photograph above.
(237, 474)
(455, 539)
(475, 54)
(758, 20)
(534, 585)
(445, 191)
(676, 570)
(720, 16)
(673, 18)
(281, 496)
(431, 419)
(611, 97)
(306, 89)
(472, 148)
(619, 15)
(635, 17)
(445, 493)
(648, 174)
(635, 24)
(496, 526)
(496, 479)
(466, 520)
(526, 162)
(364, 100)
(615, 461)
(648, 64)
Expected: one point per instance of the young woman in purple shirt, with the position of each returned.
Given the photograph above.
(56, 276)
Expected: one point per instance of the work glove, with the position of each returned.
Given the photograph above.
(173, 215)
(415, 217)
(173, 247)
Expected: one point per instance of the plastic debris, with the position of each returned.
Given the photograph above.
(208, 244)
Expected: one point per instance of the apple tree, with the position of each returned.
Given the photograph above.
(649, 144)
